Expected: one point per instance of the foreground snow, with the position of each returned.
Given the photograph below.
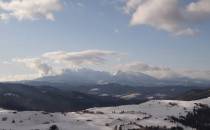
(152, 113)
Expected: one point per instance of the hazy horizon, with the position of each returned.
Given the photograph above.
(156, 37)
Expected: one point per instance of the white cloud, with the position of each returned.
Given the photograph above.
(164, 72)
(139, 67)
(196, 74)
(168, 15)
(53, 63)
(18, 77)
(88, 57)
(200, 6)
(29, 9)
(37, 65)
(199, 10)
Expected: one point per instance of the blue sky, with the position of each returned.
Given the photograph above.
(101, 25)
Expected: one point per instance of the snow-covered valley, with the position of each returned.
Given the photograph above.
(151, 113)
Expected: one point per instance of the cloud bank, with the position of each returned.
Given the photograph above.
(169, 15)
(88, 57)
(29, 9)
(59, 62)
(51, 63)
(37, 65)
(164, 72)
(155, 71)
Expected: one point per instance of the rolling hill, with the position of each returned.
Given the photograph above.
(152, 115)
(44, 98)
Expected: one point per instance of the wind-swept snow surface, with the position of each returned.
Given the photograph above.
(152, 113)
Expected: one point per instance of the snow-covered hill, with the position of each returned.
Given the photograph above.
(152, 113)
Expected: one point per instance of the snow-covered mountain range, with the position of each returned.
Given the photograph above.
(89, 77)
(152, 113)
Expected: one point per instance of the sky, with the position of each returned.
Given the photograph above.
(37, 36)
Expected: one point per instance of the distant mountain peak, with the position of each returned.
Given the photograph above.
(86, 76)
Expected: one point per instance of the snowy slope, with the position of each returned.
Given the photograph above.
(152, 113)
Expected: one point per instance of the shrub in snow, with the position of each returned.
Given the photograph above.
(4, 118)
(13, 121)
(54, 127)
(198, 118)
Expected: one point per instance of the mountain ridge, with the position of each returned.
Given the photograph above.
(92, 77)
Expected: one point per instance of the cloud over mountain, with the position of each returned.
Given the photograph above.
(169, 15)
(36, 64)
(102, 63)
(29, 9)
(88, 57)
(164, 72)
(155, 71)
(56, 62)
